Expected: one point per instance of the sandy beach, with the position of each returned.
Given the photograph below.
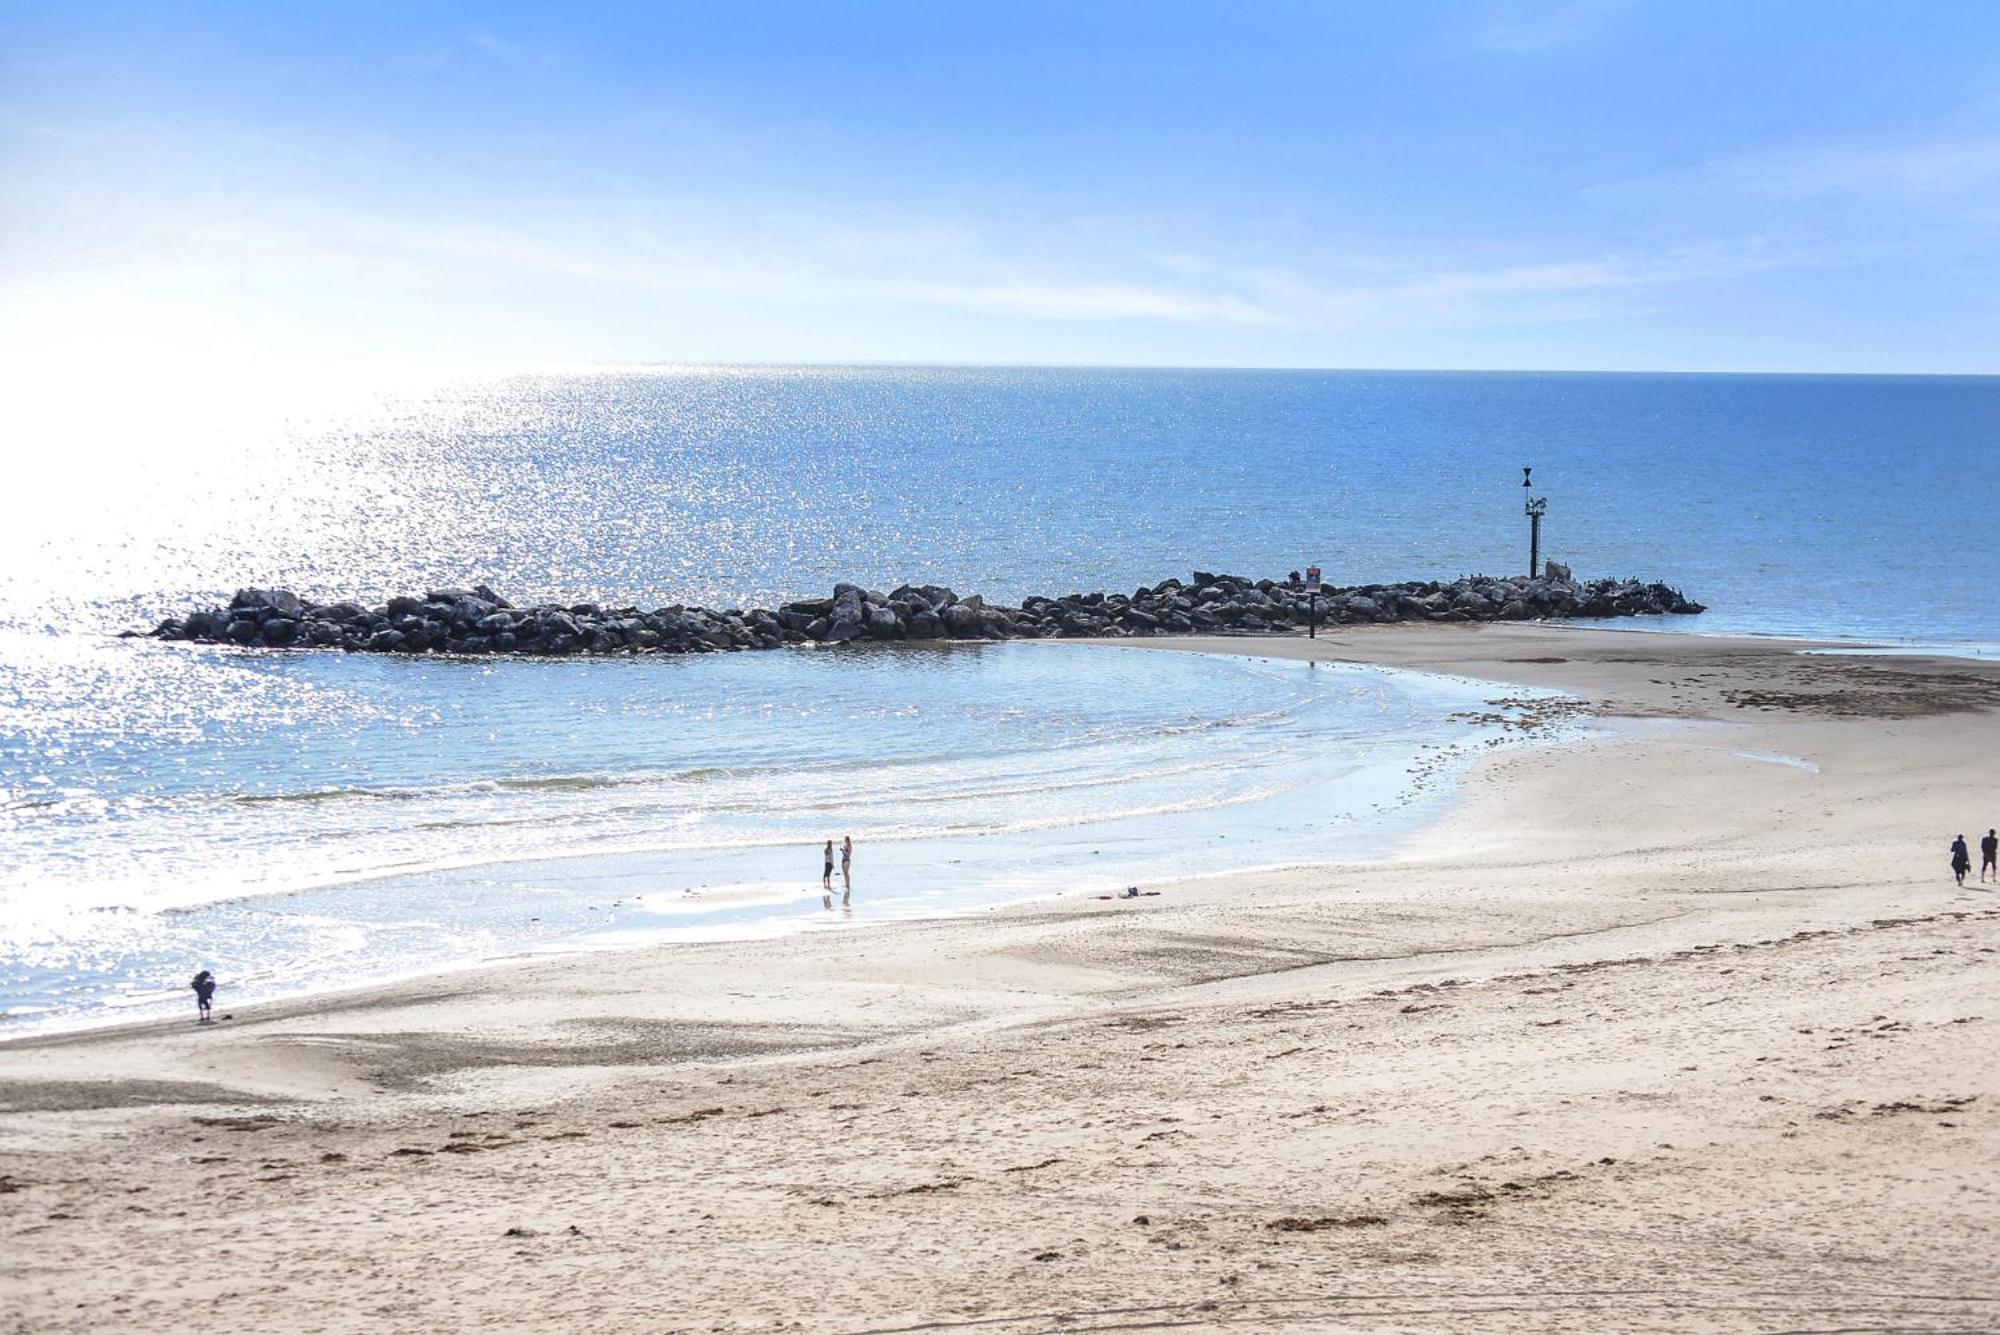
(1684, 1027)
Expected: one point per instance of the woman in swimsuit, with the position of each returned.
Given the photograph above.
(846, 866)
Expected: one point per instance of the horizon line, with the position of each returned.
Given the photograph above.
(518, 365)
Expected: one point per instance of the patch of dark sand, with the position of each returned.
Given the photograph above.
(1302, 1224)
(1858, 689)
(25, 1096)
(407, 1060)
(1208, 959)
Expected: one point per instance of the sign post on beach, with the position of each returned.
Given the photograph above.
(1536, 505)
(1312, 602)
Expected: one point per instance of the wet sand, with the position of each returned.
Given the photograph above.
(1683, 1028)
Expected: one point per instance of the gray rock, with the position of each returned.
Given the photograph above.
(282, 601)
(479, 620)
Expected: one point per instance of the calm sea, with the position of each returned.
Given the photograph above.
(300, 820)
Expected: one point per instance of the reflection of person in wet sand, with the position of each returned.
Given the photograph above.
(846, 867)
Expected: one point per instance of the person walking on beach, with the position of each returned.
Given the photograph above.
(204, 995)
(1961, 860)
(1989, 855)
(846, 867)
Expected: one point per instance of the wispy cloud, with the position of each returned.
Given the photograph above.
(492, 44)
(1940, 170)
(1517, 29)
(954, 268)
(840, 265)
(1558, 291)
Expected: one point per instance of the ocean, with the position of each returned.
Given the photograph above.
(299, 821)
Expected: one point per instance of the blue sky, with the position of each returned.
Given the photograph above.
(1573, 184)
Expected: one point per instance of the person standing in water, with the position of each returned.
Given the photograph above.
(1989, 855)
(1961, 860)
(826, 872)
(846, 867)
(204, 995)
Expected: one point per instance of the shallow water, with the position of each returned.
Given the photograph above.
(294, 820)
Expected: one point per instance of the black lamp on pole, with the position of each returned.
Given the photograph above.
(1536, 506)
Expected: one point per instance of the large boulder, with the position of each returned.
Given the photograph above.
(281, 602)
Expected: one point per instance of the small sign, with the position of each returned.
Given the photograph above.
(1312, 579)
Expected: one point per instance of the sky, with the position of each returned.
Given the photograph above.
(1575, 184)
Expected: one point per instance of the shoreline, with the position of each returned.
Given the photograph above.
(1369, 649)
(1639, 1016)
(663, 896)
(1379, 647)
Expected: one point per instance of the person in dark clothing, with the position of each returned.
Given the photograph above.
(1989, 855)
(1961, 859)
(204, 994)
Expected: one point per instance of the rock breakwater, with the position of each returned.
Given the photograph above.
(480, 621)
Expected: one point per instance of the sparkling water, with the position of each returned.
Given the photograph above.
(297, 820)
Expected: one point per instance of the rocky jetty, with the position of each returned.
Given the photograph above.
(480, 621)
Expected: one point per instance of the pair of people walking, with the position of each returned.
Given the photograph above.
(1989, 857)
(846, 871)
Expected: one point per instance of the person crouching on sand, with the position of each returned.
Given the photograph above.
(204, 995)
(1961, 860)
(1989, 855)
